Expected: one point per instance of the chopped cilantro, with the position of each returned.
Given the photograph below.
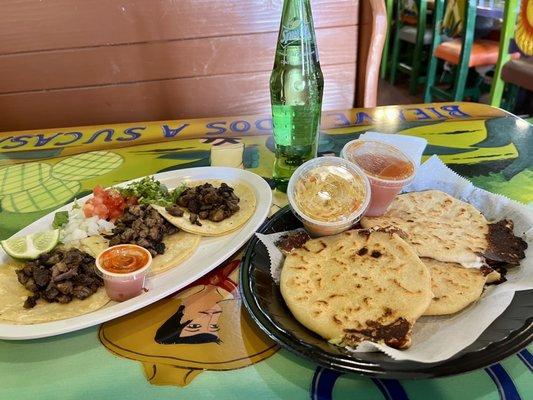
(60, 219)
(150, 191)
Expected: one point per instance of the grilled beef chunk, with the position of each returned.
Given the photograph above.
(31, 285)
(206, 202)
(65, 287)
(53, 276)
(142, 225)
(31, 301)
(81, 292)
(54, 259)
(193, 218)
(175, 211)
(41, 276)
(217, 215)
(63, 299)
(21, 276)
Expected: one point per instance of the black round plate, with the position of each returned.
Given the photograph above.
(508, 334)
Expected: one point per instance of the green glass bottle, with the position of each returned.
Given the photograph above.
(296, 87)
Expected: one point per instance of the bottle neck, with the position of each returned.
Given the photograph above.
(296, 32)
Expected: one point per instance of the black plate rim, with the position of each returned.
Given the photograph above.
(467, 362)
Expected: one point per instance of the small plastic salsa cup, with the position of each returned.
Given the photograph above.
(388, 169)
(123, 269)
(328, 194)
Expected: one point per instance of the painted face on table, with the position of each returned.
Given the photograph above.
(196, 320)
(205, 322)
(200, 328)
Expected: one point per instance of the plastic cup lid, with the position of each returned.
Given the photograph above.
(379, 160)
(329, 191)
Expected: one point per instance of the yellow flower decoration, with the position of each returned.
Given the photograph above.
(524, 29)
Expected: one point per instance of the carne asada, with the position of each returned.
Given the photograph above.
(206, 202)
(142, 225)
(59, 276)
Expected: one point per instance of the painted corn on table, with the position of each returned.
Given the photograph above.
(42, 170)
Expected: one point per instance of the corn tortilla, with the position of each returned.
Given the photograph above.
(178, 247)
(247, 204)
(13, 295)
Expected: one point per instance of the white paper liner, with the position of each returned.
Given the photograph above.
(438, 338)
(274, 254)
(413, 146)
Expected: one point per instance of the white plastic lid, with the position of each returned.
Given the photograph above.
(329, 191)
(379, 160)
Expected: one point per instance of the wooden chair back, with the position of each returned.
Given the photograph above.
(78, 62)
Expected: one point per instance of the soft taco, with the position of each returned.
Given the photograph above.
(14, 295)
(143, 226)
(211, 208)
(60, 284)
(33, 292)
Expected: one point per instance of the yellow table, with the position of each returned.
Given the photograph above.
(41, 170)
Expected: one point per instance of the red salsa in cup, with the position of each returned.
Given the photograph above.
(123, 259)
(388, 169)
(124, 268)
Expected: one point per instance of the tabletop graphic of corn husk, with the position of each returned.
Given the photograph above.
(21, 177)
(38, 186)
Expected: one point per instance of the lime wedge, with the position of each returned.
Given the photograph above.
(31, 246)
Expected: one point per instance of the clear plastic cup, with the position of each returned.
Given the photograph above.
(123, 286)
(387, 167)
(328, 194)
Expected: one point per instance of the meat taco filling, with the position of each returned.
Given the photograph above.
(206, 202)
(142, 225)
(59, 277)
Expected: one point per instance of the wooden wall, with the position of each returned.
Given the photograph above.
(78, 62)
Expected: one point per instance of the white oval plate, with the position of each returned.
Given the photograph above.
(211, 252)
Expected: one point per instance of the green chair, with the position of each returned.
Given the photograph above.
(418, 36)
(516, 74)
(507, 33)
(462, 63)
(463, 53)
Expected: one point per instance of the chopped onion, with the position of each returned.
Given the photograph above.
(79, 227)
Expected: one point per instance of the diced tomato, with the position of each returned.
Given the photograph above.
(99, 191)
(97, 200)
(114, 214)
(102, 211)
(106, 204)
(88, 208)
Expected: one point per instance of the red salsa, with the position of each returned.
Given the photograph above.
(124, 259)
(389, 167)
